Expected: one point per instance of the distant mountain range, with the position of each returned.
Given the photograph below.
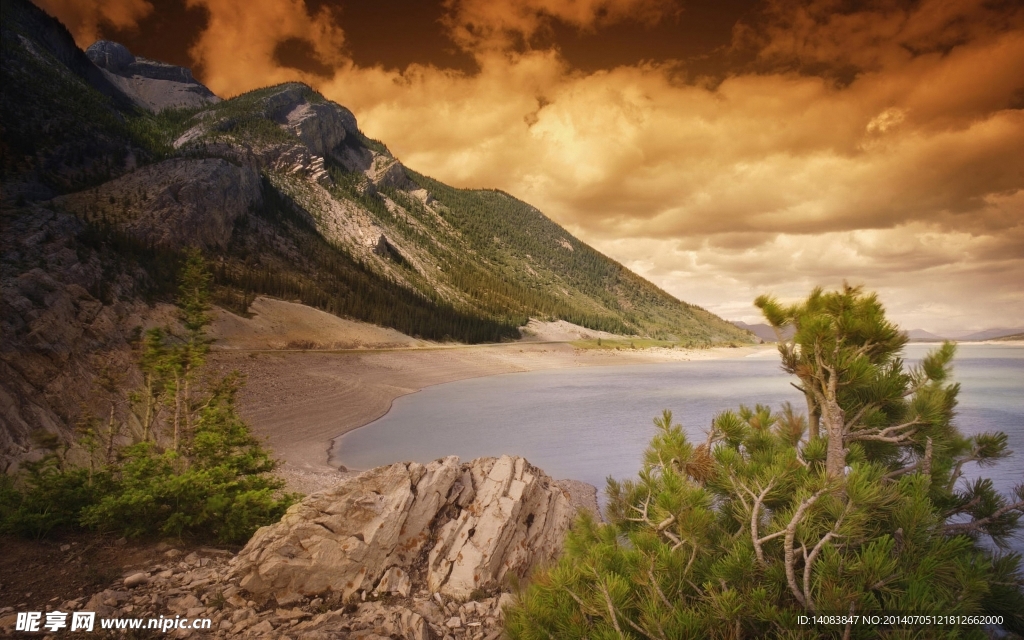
(965, 336)
(766, 333)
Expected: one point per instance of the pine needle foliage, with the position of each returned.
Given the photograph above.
(191, 466)
(738, 535)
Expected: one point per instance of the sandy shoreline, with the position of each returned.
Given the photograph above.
(301, 400)
(311, 376)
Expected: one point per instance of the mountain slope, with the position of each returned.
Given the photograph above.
(480, 252)
(107, 179)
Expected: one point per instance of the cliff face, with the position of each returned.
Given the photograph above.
(152, 85)
(63, 319)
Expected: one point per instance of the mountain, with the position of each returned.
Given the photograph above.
(1015, 337)
(964, 336)
(149, 84)
(113, 165)
(920, 335)
(991, 334)
(763, 331)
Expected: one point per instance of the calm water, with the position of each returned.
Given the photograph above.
(590, 423)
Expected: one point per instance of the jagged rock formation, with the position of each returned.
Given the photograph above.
(152, 85)
(409, 551)
(200, 585)
(456, 528)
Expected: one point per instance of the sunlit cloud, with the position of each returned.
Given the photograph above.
(237, 49)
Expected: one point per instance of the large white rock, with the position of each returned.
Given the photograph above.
(516, 519)
(471, 525)
(343, 539)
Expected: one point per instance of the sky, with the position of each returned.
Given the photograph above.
(721, 149)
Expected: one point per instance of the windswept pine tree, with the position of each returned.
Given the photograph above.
(770, 518)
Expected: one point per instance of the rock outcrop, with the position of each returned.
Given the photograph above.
(321, 126)
(149, 84)
(411, 551)
(177, 203)
(199, 585)
(456, 528)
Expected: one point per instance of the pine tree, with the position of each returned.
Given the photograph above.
(738, 535)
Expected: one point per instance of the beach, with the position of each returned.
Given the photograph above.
(348, 375)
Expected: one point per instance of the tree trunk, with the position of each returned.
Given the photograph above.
(177, 409)
(188, 409)
(813, 417)
(147, 422)
(110, 435)
(835, 460)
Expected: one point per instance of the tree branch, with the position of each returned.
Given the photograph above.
(790, 532)
(755, 514)
(611, 609)
(860, 414)
(975, 526)
(882, 435)
(809, 561)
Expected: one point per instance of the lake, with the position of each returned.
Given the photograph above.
(590, 423)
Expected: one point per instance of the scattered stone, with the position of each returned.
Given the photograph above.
(136, 579)
(263, 627)
(395, 580)
(183, 604)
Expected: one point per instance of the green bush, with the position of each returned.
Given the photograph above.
(51, 500)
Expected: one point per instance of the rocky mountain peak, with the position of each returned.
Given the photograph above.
(152, 85)
(319, 124)
(112, 56)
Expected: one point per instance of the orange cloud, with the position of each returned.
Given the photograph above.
(879, 34)
(237, 49)
(83, 17)
(488, 25)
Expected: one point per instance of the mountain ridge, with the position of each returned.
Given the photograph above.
(104, 190)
